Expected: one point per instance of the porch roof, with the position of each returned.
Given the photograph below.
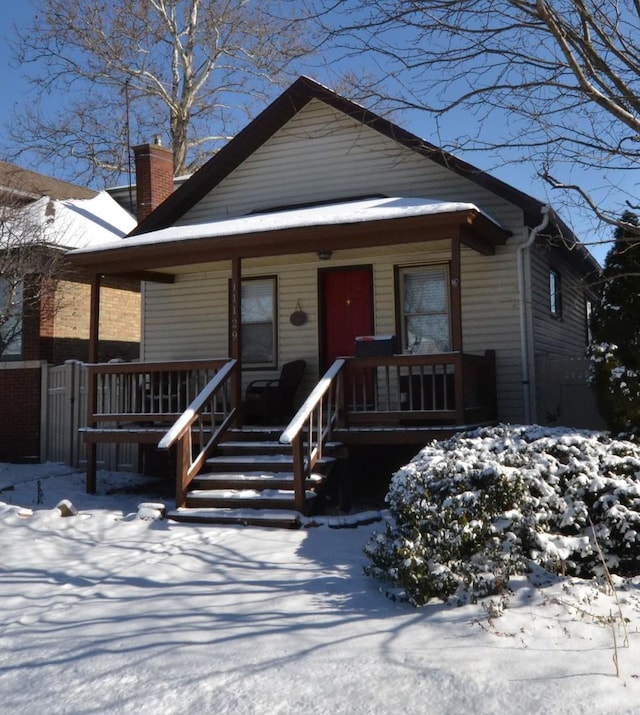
(349, 224)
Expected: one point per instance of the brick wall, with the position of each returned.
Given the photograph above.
(19, 413)
(119, 321)
(55, 332)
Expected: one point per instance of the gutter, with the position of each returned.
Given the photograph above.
(526, 337)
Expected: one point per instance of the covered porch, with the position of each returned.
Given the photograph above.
(392, 399)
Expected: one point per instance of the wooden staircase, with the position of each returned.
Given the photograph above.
(249, 480)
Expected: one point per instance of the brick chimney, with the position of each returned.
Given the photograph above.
(154, 176)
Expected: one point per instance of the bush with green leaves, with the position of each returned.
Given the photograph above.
(469, 512)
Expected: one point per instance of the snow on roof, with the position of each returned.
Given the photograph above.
(360, 211)
(81, 223)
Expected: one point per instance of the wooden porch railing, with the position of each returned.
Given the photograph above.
(137, 402)
(314, 422)
(199, 429)
(447, 389)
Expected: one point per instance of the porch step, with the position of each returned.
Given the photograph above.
(251, 480)
(246, 446)
(249, 498)
(259, 462)
(279, 518)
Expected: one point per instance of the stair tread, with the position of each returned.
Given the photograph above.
(248, 458)
(267, 443)
(248, 494)
(258, 517)
(253, 476)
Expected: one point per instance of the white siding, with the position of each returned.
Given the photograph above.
(322, 155)
(196, 309)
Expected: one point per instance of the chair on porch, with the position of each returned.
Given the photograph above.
(271, 401)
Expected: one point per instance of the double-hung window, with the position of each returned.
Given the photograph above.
(258, 321)
(424, 309)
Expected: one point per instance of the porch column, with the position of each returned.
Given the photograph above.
(456, 327)
(94, 319)
(94, 337)
(455, 293)
(235, 313)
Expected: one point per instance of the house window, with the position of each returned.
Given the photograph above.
(10, 319)
(424, 309)
(258, 320)
(588, 309)
(555, 296)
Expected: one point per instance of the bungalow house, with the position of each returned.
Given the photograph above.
(44, 303)
(420, 292)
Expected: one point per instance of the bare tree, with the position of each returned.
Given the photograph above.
(554, 81)
(29, 269)
(178, 67)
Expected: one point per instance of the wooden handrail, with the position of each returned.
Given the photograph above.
(209, 416)
(317, 417)
(184, 423)
(444, 388)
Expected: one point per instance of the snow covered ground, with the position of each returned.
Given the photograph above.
(105, 612)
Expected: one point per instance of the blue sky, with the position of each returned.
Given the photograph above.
(520, 175)
(13, 81)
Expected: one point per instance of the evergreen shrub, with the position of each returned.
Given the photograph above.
(469, 512)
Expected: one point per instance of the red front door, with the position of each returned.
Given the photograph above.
(346, 303)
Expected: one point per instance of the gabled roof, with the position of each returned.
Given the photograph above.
(25, 186)
(70, 223)
(277, 114)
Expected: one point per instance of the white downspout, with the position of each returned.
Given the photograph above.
(524, 289)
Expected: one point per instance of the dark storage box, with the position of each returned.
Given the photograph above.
(375, 345)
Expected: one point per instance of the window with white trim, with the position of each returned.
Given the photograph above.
(258, 322)
(555, 295)
(10, 318)
(424, 307)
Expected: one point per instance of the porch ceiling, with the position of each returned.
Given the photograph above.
(349, 225)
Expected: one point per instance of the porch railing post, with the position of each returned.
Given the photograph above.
(182, 466)
(299, 475)
(459, 378)
(91, 448)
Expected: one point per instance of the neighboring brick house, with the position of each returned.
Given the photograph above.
(55, 327)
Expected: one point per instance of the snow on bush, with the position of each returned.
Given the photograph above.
(469, 512)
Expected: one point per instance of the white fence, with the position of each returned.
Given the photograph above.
(64, 411)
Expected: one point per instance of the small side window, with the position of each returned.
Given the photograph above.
(555, 294)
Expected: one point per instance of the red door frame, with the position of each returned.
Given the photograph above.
(364, 324)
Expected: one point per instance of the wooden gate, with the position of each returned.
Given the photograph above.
(64, 411)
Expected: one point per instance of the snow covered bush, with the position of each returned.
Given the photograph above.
(469, 512)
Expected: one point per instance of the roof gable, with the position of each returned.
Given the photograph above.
(279, 113)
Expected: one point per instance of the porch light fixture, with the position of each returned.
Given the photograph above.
(325, 255)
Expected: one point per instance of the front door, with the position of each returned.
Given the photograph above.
(346, 304)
